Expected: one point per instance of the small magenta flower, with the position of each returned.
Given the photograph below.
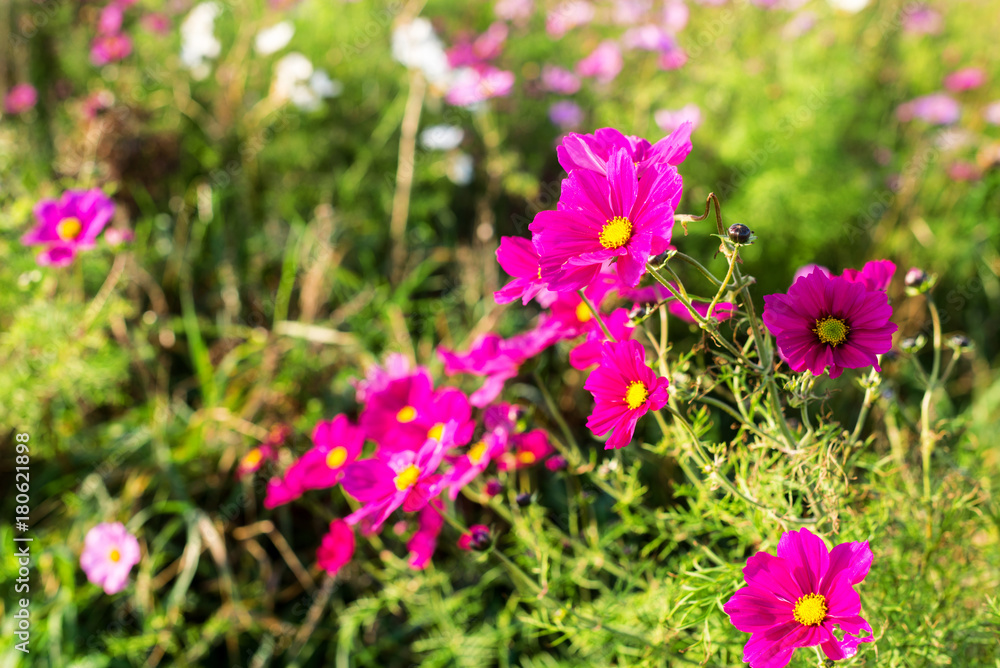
(615, 218)
(69, 225)
(265, 452)
(20, 98)
(519, 258)
(828, 323)
(474, 461)
(407, 411)
(558, 80)
(529, 449)
(336, 548)
(476, 538)
(965, 79)
(795, 599)
(109, 553)
(404, 479)
(624, 390)
(110, 48)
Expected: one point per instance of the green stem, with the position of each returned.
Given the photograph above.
(926, 437)
(734, 256)
(597, 316)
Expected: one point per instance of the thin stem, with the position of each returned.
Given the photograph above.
(697, 265)
(404, 170)
(597, 316)
(926, 436)
(734, 256)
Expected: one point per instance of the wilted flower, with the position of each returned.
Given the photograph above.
(69, 225)
(829, 323)
(109, 553)
(797, 598)
(624, 390)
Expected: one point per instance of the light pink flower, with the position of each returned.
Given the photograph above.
(109, 553)
(559, 80)
(568, 15)
(110, 48)
(965, 79)
(604, 63)
(478, 84)
(20, 98)
(669, 120)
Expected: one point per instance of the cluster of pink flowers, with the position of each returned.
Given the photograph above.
(423, 450)
(474, 77)
(111, 43)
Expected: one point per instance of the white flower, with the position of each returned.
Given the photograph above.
(198, 43)
(295, 81)
(415, 45)
(274, 39)
(849, 5)
(324, 86)
(441, 137)
(460, 169)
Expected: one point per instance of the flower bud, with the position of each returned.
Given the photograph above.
(556, 463)
(478, 538)
(493, 487)
(960, 343)
(740, 234)
(918, 281)
(524, 499)
(913, 344)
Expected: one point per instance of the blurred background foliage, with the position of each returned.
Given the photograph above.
(262, 279)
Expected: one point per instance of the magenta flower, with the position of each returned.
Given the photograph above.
(875, 275)
(606, 218)
(110, 21)
(423, 543)
(571, 315)
(588, 353)
(529, 449)
(649, 37)
(937, 109)
(110, 48)
(109, 553)
(476, 538)
(378, 378)
(922, 20)
(266, 452)
(404, 479)
(336, 444)
(474, 461)
(69, 225)
(624, 390)
(519, 258)
(336, 548)
(408, 411)
(965, 79)
(478, 84)
(592, 152)
(156, 22)
(558, 80)
(795, 599)
(828, 323)
(20, 98)
(604, 63)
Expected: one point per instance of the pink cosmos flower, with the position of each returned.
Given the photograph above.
(828, 323)
(156, 22)
(423, 543)
(336, 444)
(519, 258)
(110, 21)
(604, 63)
(558, 80)
(649, 37)
(571, 315)
(474, 461)
(965, 79)
(408, 411)
(266, 452)
(964, 171)
(568, 15)
(476, 538)
(69, 225)
(624, 390)
(404, 479)
(795, 599)
(529, 449)
(336, 548)
(673, 59)
(592, 152)
(281, 491)
(922, 20)
(606, 218)
(377, 378)
(20, 98)
(566, 114)
(518, 11)
(875, 275)
(109, 553)
(497, 359)
(110, 48)
(675, 15)
(938, 109)
(478, 84)
(588, 353)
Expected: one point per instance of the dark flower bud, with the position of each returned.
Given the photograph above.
(524, 499)
(493, 487)
(915, 278)
(658, 260)
(960, 342)
(740, 234)
(478, 538)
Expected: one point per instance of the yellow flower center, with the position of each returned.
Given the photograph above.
(526, 457)
(69, 229)
(476, 452)
(336, 458)
(406, 414)
(407, 478)
(115, 556)
(436, 431)
(810, 609)
(252, 458)
(583, 313)
(616, 232)
(831, 330)
(636, 394)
